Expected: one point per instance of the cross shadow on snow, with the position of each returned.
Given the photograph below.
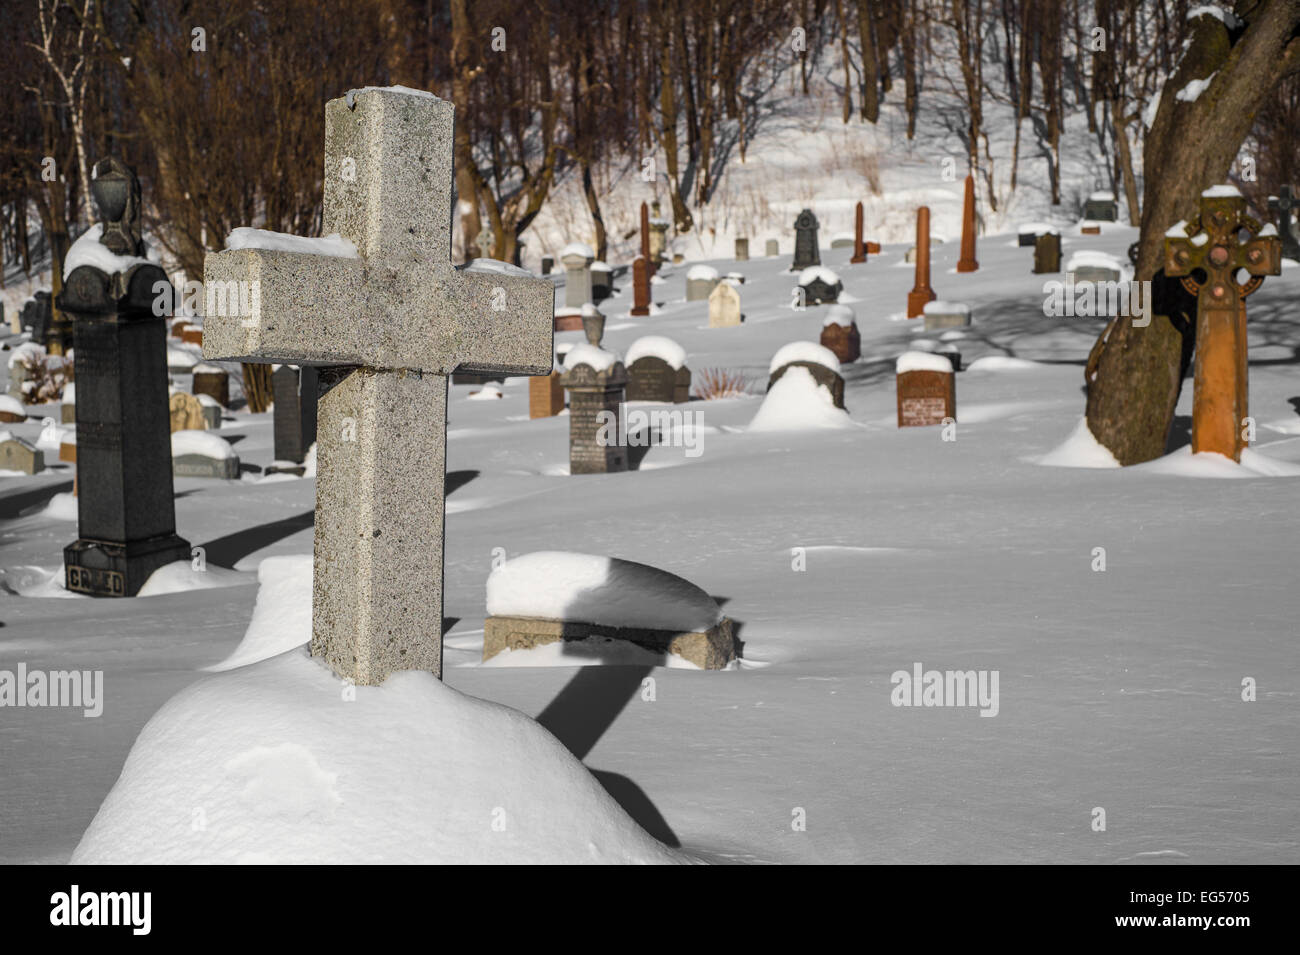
(579, 716)
(229, 550)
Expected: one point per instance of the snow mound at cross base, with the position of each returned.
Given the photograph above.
(798, 403)
(269, 764)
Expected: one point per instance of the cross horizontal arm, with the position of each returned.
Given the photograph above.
(301, 308)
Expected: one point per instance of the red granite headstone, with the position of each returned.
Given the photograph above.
(926, 398)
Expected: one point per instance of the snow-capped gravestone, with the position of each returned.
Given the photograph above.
(599, 607)
(1047, 253)
(294, 405)
(656, 370)
(640, 286)
(185, 412)
(577, 258)
(1088, 265)
(126, 517)
(940, 314)
(819, 286)
(807, 253)
(384, 311)
(724, 306)
(700, 282)
(17, 455)
(1285, 204)
(840, 334)
(211, 381)
(927, 389)
(602, 281)
(1101, 207)
(1028, 232)
(820, 362)
(11, 410)
(201, 454)
(596, 381)
(1222, 242)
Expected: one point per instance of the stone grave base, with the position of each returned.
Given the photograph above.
(286, 467)
(567, 323)
(710, 649)
(105, 569)
(201, 466)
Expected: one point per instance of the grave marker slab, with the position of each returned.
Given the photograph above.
(17, 455)
(657, 371)
(1101, 207)
(773, 248)
(927, 389)
(724, 306)
(840, 334)
(294, 395)
(820, 362)
(391, 324)
(700, 282)
(742, 250)
(1047, 253)
(545, 395)
(577, 259)
(807, 253)
(211, 381)
(940, 314)
(596, 383)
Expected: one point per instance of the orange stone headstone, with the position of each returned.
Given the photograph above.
(921, 292)
(545, 395)
(967, 261)
(641, 285)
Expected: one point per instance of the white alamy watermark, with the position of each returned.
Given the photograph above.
(923, 687)
(74, 907)
(83, 689)
(1071, 299)
(233, 298)
(661, 427)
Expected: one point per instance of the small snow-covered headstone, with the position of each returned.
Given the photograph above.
(202, 454)
(192, 336)
(840, 334)
(596, 381)
(773, 248)
(940, 314)
(656, 371)
(577, 258)
(211, 381)
(1101, 207)
(1088, 265)
(602, 606)
(821, 363)
(17, 455)
(1047, 253)
(12, 410)
(927, 389)
(820, 286)
(700, 282)
(724, 306)
(211, 412)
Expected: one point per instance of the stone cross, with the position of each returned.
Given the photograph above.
(386, 328)
(859, 247)
(967, 261)
(921, 292)
(1220, 395)
(1285, 204)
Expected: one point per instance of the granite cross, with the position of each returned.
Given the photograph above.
(386, 326)
(1220, 242)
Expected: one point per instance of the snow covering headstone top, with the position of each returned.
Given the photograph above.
(393, 323)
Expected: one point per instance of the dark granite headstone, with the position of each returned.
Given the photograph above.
(594, 443)
(806, 250)
(127, 520)
(548, 264)
(821, 374)
(37, 315)
(817, 291)
(1285, 205)
(650, 378)
(1101, 208)
(294, 393)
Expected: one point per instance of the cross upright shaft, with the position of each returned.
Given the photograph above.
(392, 323)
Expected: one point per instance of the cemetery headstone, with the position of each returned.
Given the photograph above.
(820, 362)
(1047, 253)
(1087, 265)
(596, 382)
(126, 516)
(700, 282)
(548, 264)
(211, 381)
(1088, 227)
(658, 238)
(927, 389)
(724, 306)
(641, 286)
(967, 262)
(390, 336)
(952, 354)
(1101, 207)
(602, 281)
(940, 314)
(192, 336)
(1221, 392)
(807, 253)
(200, 454)
(840, 334)
(17, 455)
(12, 410)
(178, 329)
(294, 396)
(68, 449)
(68, 410)
(1285, 204)
(842, 242)
(545, 395)
(820, 286)
(773, 248)
(921, 292)
(38, 316)
(656, 371)
(211, 412)
(186, 412)
(742, 250)
(859, 247)
(577, 259)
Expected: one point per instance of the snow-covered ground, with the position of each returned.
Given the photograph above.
(844, 555)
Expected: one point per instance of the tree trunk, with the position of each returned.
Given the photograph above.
(1133, 375)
